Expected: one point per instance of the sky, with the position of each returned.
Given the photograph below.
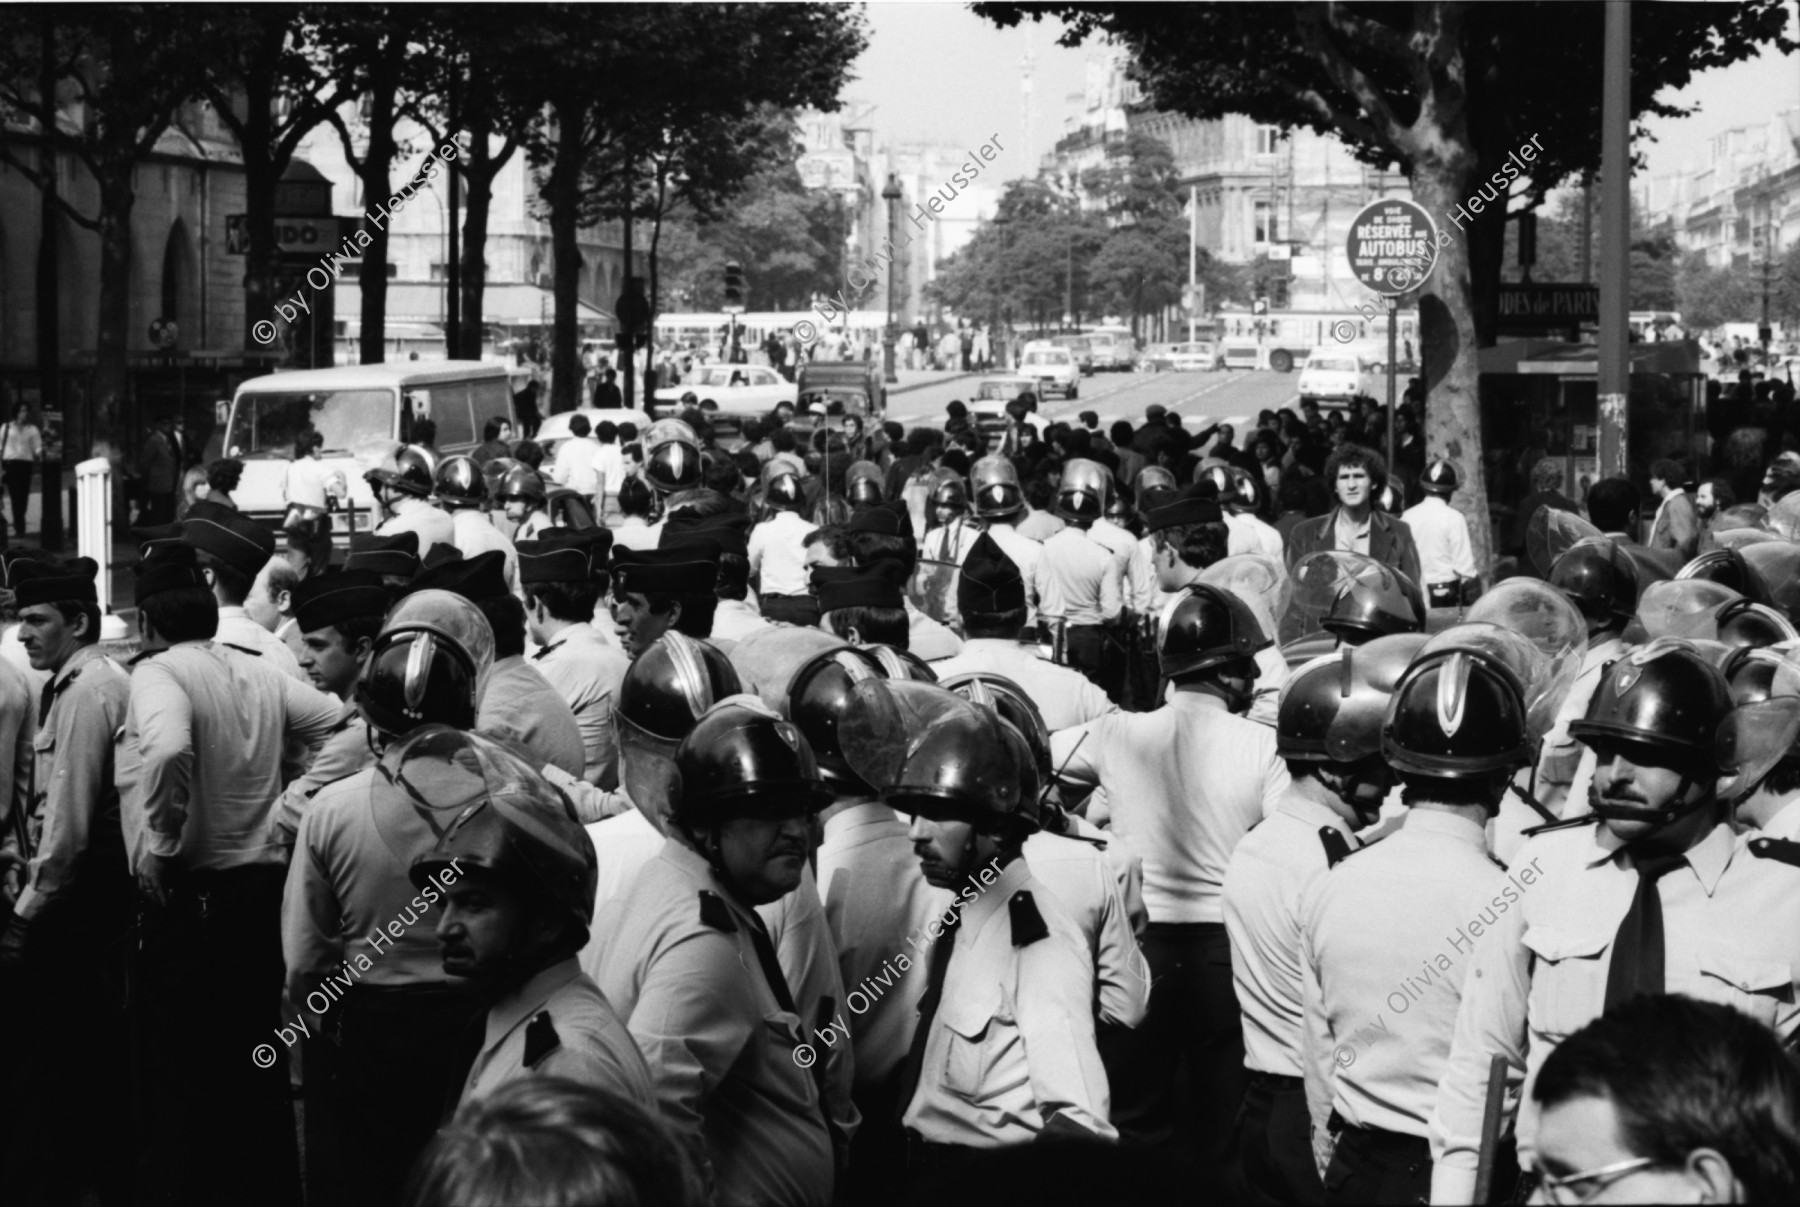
(936, 72)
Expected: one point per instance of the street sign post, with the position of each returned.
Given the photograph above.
(1392, 248)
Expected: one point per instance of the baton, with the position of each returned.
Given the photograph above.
(1490, 1127)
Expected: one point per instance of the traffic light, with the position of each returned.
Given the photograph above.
(734, 287)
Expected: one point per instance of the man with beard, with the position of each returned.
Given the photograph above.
(1659, 897)
(1713, 496)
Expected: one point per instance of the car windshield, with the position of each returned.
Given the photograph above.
(265, 426)
(1004, 391)
(720, 376)
(1058, 357)
(836, 400)
(1332, 364)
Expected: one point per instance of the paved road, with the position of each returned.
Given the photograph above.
(1236, 397)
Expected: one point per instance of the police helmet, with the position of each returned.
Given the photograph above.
(863, 484)
(1332, 709)
(1374, 601)
(1219, 476)
(817, 695)
(1598, 579)
(1665, 694)
(412, 471)
(522, 482)
(429, 665)
(494, 471)
(505, 818)
(897, 663)
(1440, 478)
(930, 752)
(1014, 706)
(998, 495)
(460, 480)
(1728, 568)
(783, 490)
(1204, 626)
(742, 760)
(1389, 499)
(951, 493)
(1082, 496)
(1456, 714)
(671, 456)
(1743, 622)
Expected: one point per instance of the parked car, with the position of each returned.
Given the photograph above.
(1080, 348)
(1335, 375)
(742, 390)
(1179, 358)
(1053, 368)
(1113, 348)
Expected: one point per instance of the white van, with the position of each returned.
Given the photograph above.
(364, 412)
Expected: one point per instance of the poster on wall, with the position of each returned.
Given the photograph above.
(51, 425)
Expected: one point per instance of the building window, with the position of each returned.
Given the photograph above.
(1266, 139)
(1265, 223)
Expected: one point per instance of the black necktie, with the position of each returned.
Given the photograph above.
(765, 955)
(928, 1006)
(1637, 950)
(469, 1042)
(45, 699)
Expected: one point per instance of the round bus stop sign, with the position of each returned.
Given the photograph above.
(1392, 246)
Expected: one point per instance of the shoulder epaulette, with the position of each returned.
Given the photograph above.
(1778, 849)
(715, 913)
(1567, 823)
(1495, 860)
(312, 792)
(1336, 849)
(1027, 923)
(242, 649)
(137, 658)
(544, 653)
(541, 1039)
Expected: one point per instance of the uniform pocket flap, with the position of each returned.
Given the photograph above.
(1748, 973)
(969, 1017)
(1555, 943)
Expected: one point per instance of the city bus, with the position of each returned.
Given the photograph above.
(1282, 339)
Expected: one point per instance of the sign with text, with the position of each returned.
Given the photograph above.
(1392, 246)
(1529, 307)
(294, 236)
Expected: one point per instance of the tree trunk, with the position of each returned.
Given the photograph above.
(112, 382)
(374, 176)
(1448, 338)
(478, 204)
(562, 191)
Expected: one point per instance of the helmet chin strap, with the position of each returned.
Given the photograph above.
(1662, 819)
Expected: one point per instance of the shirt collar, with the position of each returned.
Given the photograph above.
(80, 658)
(1708, 857)
(1313, 813)
(515, 1007)
(990, 898)
(1786, 822)
(1450, 825)
(232, 612)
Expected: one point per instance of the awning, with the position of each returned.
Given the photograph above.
(1559, 359)
(507, 304)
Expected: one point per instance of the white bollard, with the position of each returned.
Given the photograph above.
(93, 530)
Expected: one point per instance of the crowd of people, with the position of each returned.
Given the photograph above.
(1031, 811)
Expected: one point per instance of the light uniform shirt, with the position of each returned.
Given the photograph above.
(531, 527)
(1024, 553)
(1784, 825)
(346, 884)
(200, 763)
(236, 628)
(927, 638)
(634, 532)
(474, 534)
(558, 1024)
(416, 515)
(942, 551)
(1566, 766)
(1731, 933)
(1185, 784)
(346, 751)
(1442, 534)
(676, 959)
(1077, 874)
(734, 620)
(1114, 539)
(1247, 534)
(778, 554)
(1268, 875)
(1012, 1043)
(1064, 696)
(875, 896)
(1381, 978)
(1079, 580)
(586, 672)
(1040, 526)
(519, 699)
(70, 774)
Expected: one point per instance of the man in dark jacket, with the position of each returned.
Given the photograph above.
(1357, 475)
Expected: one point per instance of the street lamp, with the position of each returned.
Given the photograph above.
(891, 195)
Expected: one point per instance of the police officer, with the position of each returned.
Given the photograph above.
(999, 505)
(520, 491)
(1762, 735)
(691, 967)
(1380, 981)
(1446, 559)
(884, 532)
(518, 876)
(1080, 581)
(403, 488)
(948, 537)
(395, 1022)
(233, 551)
(1659, 896)
(339, 617)
(863, 604)
(721, 538)
(1004, 1049)
(1238, 496)
(463, 494)
(199, 768)
(1603, 584)
(516, 699)
(991, 596)
(60, 951)
(395, 558)
(656, 590)
(777, 549)
(1352, 598)
(562, 586)
(1184, 785)
(1328, 729)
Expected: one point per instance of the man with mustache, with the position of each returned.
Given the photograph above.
(1658, 897)
(693, 970)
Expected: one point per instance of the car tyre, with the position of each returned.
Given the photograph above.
(1073, 393)
(1281, 361)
